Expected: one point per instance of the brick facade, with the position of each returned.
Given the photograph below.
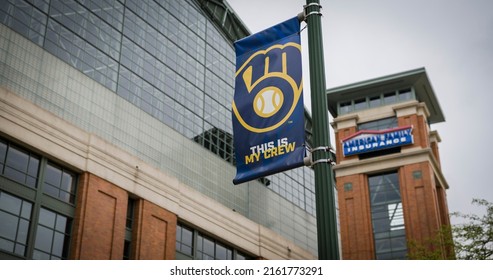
(100, 220)
(355, 217)
(423, 199)
(155, 232)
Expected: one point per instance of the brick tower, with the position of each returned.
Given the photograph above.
(391, 189)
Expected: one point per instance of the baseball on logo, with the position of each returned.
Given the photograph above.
(268, 102)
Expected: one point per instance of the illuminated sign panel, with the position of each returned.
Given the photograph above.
(366, 141)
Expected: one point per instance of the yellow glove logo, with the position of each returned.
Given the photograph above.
(270, 94)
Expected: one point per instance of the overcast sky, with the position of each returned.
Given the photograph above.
(451, 39)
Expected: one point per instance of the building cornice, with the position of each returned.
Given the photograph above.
(416, 79)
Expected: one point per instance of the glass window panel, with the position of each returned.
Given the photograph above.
(3, 152)
(374, 101)
(26, 210)
(65, 196)
(199, 242)
(59, 183)
(6, 245)
(382, 245)
(186, 249)
(58, 241)
(400, 255)
(405, 94)
(186, 237)
(381, 225)
(13, 228)
(38, 255)
(48, 189)
(392, 178)
(378, 198)
(10, 203)
(17, 159)
(47, 218)
(221, 252)
(53, 175)
(31, 182)
(15, 175)
(398, 243)
(178, 233)
(360, 104)
(387, 216)
(389, 98)
(52, 242)
(20, 249)
(8, 228)
(22, 231)
(208, 247)
(345, 107)
(379, 124)
(44, 239)
(384, 256)
(229, 254)
(61, 223)
(393, 195)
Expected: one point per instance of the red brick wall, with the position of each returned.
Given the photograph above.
(155, 232)
(420, 203)
(355, 218)
(339, 135)
(420, 130)
(425, 208)
(99, 222)
(434, 149)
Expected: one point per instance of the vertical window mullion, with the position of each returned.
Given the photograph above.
(36, 209)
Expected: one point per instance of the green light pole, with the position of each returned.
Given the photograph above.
(324, 190)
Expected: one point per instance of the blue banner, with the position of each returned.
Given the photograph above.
(268, 111)
(374, 140)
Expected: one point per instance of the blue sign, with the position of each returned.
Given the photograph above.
(268, 111)
(372, 140)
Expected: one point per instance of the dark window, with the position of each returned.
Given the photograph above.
(380, 124)
(405, 94)
(387, 216)
(360, 104)
(59, 183)
(34, 225)
(193, 244)
(20, 165)
(345, 107)
(15, 218)
(127, 246)
(184, 240)
(375, 101)
(52, 236)
(389, 98)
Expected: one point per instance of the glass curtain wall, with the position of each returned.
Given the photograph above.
(387, 216)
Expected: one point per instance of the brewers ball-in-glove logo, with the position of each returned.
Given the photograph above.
(268, 105)
(270, 90)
